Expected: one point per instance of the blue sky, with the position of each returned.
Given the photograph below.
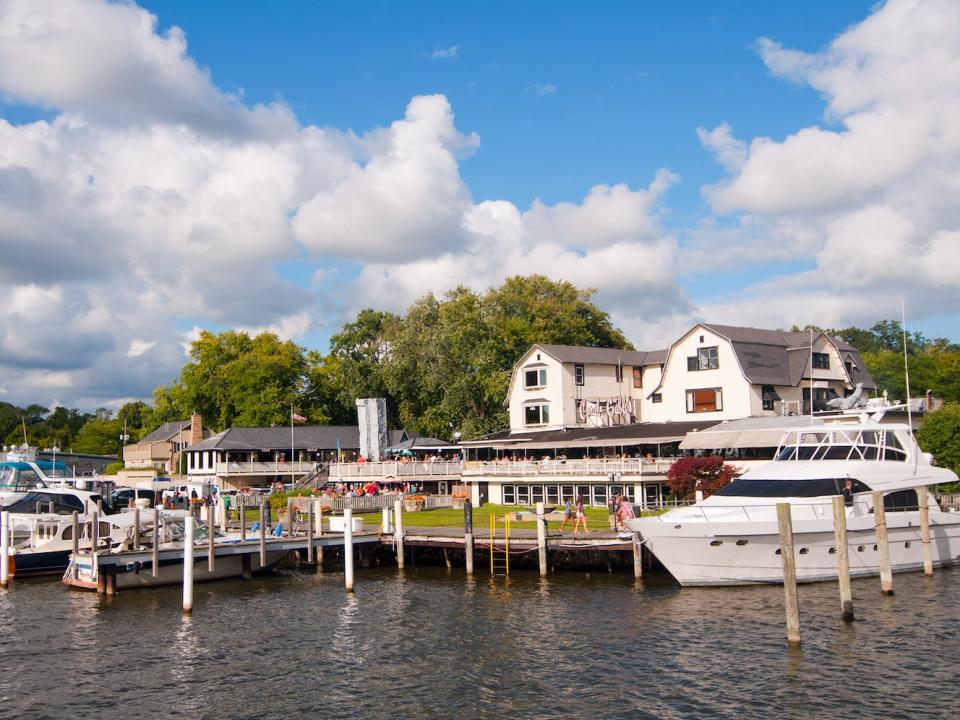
(281, 165)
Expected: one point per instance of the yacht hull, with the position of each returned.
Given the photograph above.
(746, 553)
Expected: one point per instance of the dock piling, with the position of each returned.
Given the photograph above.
(348, 548)
(136, 529)
(385, 528)
(263, 534)
(923, 499)
(785, 525)
(95, 532)
(880, 518)
(319, 533)
(637, 556)
(155, 550)
(222, 504)
(242, 505)
(188, 564)
(4, 548)
(542, 538)
(398, 530)
(211, 537)
(468, 534)
(75, 533)
(310, 532)
(843, 557)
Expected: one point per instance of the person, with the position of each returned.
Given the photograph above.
(625, 511)
(567, 514)
(848, 492)
(581, 516)
(226, 506)
(612, 510)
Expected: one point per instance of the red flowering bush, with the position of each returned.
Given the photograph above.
(712, 473)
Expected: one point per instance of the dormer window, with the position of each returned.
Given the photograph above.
(821, 361)
(535, 378)
(707, 358)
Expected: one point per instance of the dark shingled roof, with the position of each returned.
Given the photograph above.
(636, 434)
(166, 431)
(775, 357)
(310, 437)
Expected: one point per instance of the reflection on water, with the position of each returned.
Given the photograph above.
(430, 643)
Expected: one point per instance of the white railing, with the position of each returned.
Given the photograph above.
(346, 471)
(534, 468)
(378, 502)
(265, 468)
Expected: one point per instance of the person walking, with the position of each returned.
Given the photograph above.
(567, 514)
(581, 516)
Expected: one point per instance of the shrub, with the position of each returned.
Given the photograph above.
(113, 468)
(712, 473)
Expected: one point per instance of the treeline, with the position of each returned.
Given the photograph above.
(444, 366)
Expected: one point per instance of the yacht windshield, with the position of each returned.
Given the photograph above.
(842, 444)
(750, 487)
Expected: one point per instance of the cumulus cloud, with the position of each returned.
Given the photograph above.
(869, 197)
(544, 89)
(447, 53)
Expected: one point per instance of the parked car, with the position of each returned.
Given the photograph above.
(124, 497)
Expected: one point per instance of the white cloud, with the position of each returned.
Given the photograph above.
(139, 347)
(544, 89)
(447, 53)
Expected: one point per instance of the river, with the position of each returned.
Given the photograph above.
(428, 643)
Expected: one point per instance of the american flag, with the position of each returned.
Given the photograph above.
(296, 418)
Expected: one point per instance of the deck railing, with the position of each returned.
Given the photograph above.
(600, 468)
(298, 467)
(349, 471)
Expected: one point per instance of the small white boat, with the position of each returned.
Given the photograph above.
(732, 537)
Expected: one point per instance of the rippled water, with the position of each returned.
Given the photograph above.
(425, 643)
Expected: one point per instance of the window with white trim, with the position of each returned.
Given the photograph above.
(821, 361)
(535, 378)
(707, 358)
(536, 414)
(705, 400)
(578, 374)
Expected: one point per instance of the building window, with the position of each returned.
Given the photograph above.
(553, 494)
(509, 495)
(705, 400)
(656, 397)
(523, 494)
(535, 378)
(821, 361)
(638, 377)
(769, 396)
(619, 373)
(578, 373)
(705, 359)
(536, 414)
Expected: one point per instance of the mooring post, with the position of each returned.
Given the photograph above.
(245, 566)
(785, 525)
(542, 538)
(4, 548)
(319, 532)
(136, 529)
(75, 533)
(110, 574)
(468, 535)
(880, 518)
(155, 550)
(222, 504)
(398, 530)
(289, 517)
(242, 505)
(188, 564)
(637, 556)
(348, 548)
(385, 521)
(211, 538)
(310, 532)
(923, 500)
(843, 556)
(263, 534)
(95, 534)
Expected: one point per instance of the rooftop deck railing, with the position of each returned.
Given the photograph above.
(265, 468)
(534, 468)
(375, 470)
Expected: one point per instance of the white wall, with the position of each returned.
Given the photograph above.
(553, 392)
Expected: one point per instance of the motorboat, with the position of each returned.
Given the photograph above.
(29, 485)
(137, 571)
(732, 537)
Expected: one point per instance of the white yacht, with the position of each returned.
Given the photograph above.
(732, 538)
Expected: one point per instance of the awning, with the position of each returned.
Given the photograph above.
(730, 439)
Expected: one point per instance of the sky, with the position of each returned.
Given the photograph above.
(173, 166)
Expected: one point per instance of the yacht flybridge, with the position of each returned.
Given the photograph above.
(731, 538)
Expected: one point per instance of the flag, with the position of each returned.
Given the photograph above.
(296, 418)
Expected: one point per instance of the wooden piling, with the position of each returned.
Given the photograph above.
(136, 529)
(222, 503)
(211, 540)
(155, 550)
(843, 557)
(289, 518)
(348, 548)
(310, 547)
(263, 534)
(542, 538)
(95, 532)
(110, 579)
(880, 518)
(75, 534)
(188, 564)
(923, 500)
(468, 535)
(5, 548)
(785, 525)
(637, 556)
(398, 530)
(385, 521)
(245, 566)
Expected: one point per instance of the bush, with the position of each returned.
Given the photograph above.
(278, 501)
(113, 468)
(712, 473)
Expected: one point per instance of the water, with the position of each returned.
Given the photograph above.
(422, 643)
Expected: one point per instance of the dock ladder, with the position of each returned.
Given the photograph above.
(499, 558)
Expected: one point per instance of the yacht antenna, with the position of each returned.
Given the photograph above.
(906, 376)
(811, 373)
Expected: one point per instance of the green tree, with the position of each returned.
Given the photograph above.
(939, 434)
(100, 435)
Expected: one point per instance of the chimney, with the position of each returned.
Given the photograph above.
(196, 429)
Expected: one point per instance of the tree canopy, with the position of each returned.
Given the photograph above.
(939, 434)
